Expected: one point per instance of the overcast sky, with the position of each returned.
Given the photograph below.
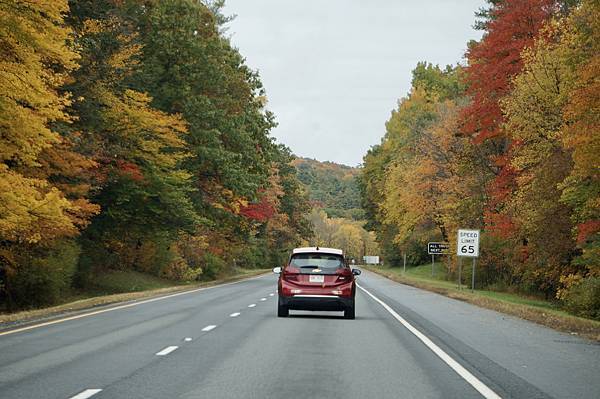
(334, 69)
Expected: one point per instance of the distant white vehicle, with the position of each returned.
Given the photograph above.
(371, 260)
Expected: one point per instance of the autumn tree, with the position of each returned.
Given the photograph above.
(143, 191)
(539, 116)
(533, 113)
(42, 200)
(509, 27)
(581, 188)
(403, 180)
(345, 234)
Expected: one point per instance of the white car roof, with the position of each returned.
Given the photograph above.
(305, 250)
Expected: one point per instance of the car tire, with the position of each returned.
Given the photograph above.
(282, 310)
(349, 312)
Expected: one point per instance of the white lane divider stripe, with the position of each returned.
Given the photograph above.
(88, 393)
(187, 339)
(252, 305)
(271, 294)
(263, 299)
(234, 314)
(483, 389)
(208, 328)
(166, 351)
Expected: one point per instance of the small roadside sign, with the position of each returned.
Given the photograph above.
(468, 243)
(438, 248)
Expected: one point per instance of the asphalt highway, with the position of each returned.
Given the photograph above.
(226, 342)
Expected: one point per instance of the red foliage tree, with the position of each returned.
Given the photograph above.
(260, 211)
(130, 170)
(513, 25)
(494, 60)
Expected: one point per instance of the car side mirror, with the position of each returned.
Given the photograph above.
(277, 270)
(356, 272)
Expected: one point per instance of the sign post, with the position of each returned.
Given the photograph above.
(468, 246)
(459, 273)
(405, 263)
(473, 275)
(436, 248)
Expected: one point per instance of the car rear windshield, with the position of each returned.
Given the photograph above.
(327, 263)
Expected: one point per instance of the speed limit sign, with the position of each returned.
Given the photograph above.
(468, 243)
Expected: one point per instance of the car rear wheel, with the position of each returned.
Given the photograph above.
(282, 310)
(349, 311)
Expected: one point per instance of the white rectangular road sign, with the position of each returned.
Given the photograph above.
(468, 243)
(371, 260)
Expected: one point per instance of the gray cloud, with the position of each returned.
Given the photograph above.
(334, 69)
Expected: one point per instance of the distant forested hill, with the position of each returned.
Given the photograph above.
(331, 186)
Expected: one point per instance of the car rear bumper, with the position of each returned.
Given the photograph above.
(316, 302)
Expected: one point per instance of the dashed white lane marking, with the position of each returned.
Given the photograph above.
(208, 328)
(263, 299)
(252, 305)
(128, 305)
(271, 294)
(187, 339)
(88, 393)
(483, 389)
(166, 351)
(235, 314)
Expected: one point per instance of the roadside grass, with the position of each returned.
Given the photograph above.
(523, 306)
(128, 281)
(119, 287)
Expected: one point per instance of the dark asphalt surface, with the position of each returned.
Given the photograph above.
(308, 355)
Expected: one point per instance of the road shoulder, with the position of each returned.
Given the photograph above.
(573, 325)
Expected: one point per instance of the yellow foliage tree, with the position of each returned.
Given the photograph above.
(34, 63)
(581, 132)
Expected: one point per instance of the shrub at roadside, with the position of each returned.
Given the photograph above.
(44, 278)
(212, 266)
(583, 299)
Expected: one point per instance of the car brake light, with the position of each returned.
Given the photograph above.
(290, 273)
(344, 275)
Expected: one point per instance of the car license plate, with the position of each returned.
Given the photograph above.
(315, 278)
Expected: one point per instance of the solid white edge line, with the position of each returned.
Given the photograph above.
(236, 314)
(88, 393)
(483, 389)
(129, 305)
(166, 351)
(208, 328)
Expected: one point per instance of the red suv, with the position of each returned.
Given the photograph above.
(316, 279)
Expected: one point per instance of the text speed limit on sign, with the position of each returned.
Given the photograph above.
(468, 243)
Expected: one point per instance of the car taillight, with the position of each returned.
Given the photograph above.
(290, 273)
(343, 275)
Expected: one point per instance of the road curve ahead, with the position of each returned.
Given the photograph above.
(226, 342)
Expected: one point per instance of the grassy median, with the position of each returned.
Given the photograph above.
(120, 287)
(523, 306)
